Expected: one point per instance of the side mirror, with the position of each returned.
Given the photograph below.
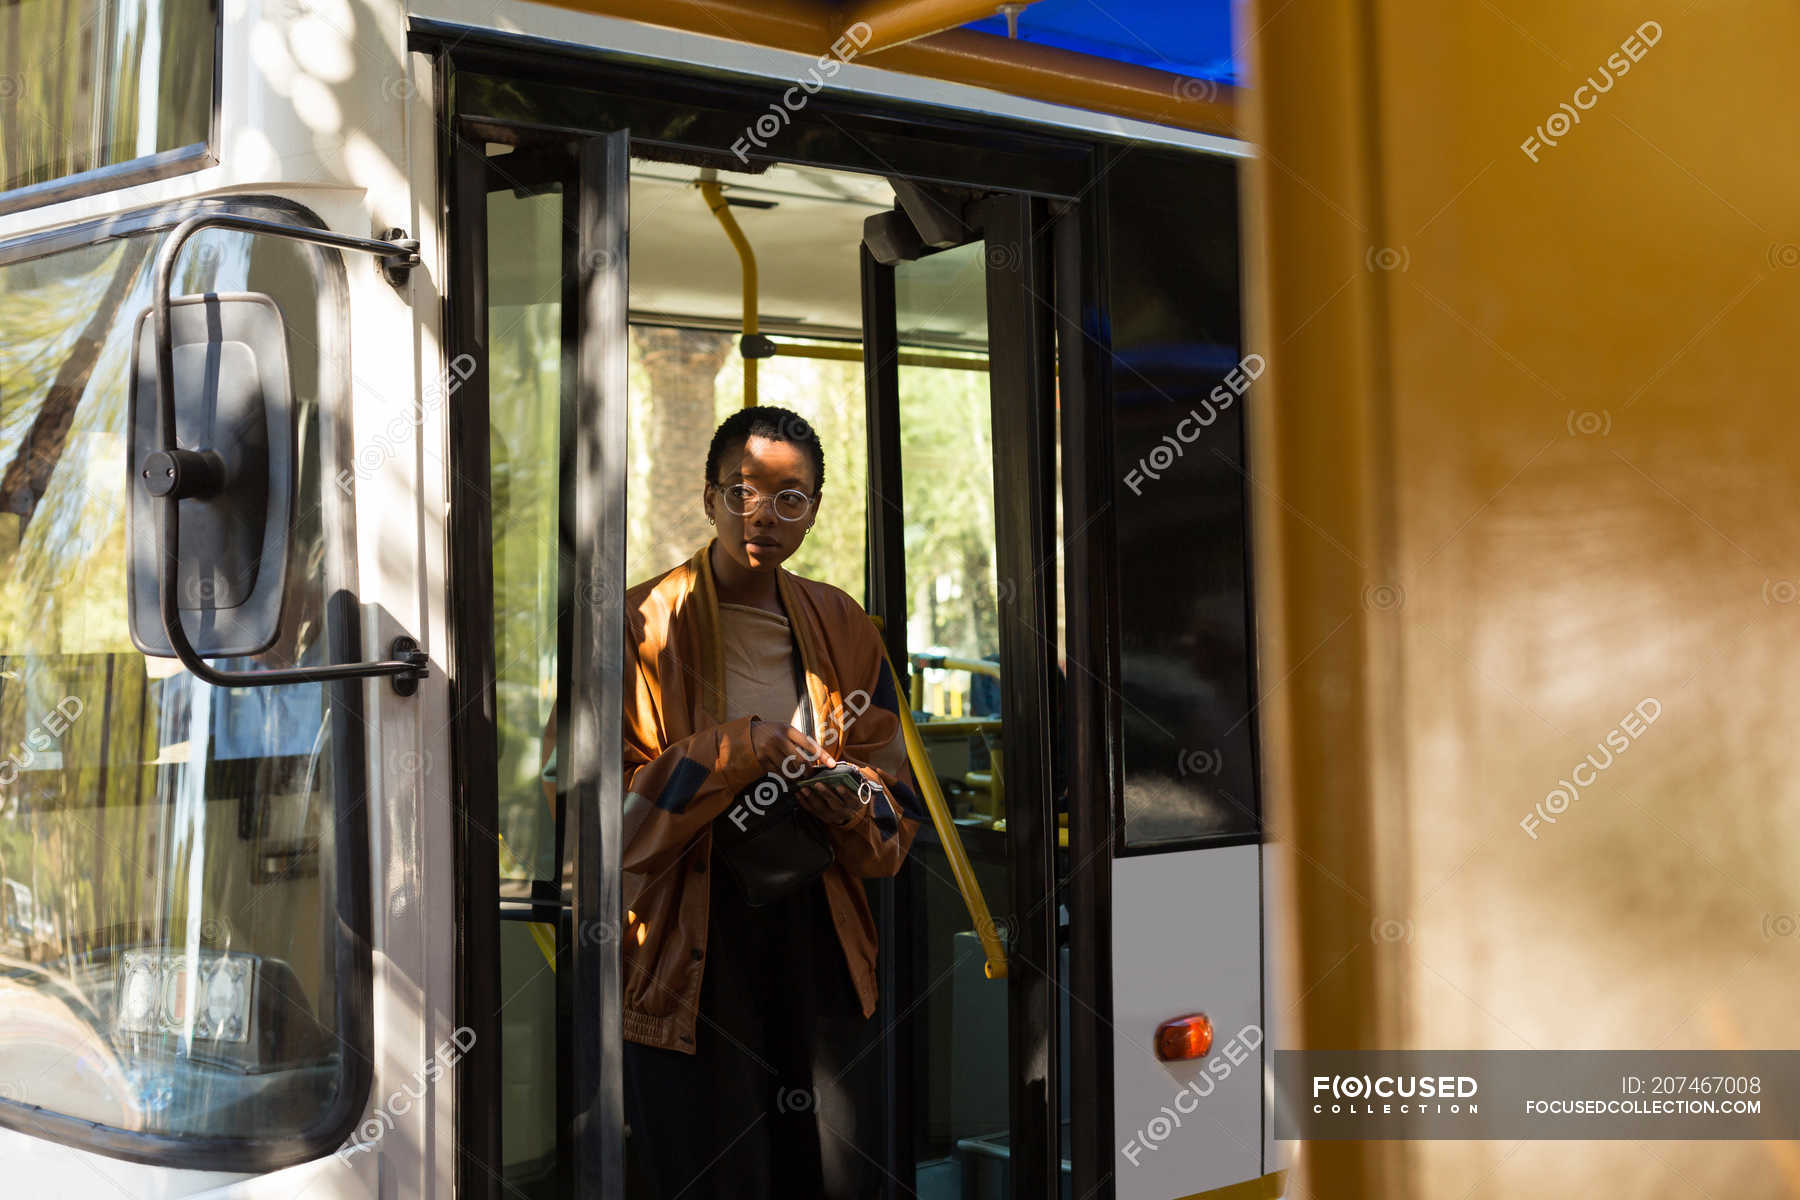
(212, 463)
(233, 475)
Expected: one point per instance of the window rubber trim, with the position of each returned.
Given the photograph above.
(351, 953)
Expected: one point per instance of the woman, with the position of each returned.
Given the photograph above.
(745, 1026)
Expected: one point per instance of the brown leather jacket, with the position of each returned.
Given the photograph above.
(685, 765)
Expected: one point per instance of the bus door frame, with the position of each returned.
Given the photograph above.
(586, 907)
(1015, 232)
(497, 80)
(1091, 723)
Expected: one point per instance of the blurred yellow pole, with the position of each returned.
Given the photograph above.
(1317, 443)
(1526, 316)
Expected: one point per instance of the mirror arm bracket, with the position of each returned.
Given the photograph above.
(193, 472)
(400, 258)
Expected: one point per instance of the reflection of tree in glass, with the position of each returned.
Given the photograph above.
(65, 329)
(947, 465)
(525, 397)
(61, 376)
(80, 83)
(60, 533)
(680, 367)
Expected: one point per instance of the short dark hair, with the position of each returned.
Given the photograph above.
(766, 421)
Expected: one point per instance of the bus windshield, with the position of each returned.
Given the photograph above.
(167, 879)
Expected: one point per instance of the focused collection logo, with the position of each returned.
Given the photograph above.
(1399, 1095)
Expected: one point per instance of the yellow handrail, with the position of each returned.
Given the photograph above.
(950, 662)
(906, 358)
(949, 835)
(946, 662)
(714, 195)
(715, 200)
(542, 933)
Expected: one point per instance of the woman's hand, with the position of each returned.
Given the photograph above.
(790, 754)
(787, 751)
(833, 802)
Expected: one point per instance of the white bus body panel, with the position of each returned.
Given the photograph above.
(51, 1171)
(1187, 938)
(355, 141)
(1277, 868)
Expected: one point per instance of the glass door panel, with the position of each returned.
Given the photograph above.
(525, 393)
(960, 1062)
(538, 408)
(525, 386)
(963, 437)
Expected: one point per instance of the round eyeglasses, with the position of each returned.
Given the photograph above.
(741, 500)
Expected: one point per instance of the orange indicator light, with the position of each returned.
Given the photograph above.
(1184, 1038)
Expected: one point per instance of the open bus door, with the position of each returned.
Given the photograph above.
(539, 227)
(539, 230)
(976, 1060)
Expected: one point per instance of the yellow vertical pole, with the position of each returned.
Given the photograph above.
(1493, 274)
(1328, 728)
(715, 200)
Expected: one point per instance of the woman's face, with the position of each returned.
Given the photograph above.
(760, 540)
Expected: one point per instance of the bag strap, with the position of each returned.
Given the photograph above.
(799, 669)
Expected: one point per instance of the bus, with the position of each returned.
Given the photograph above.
(352, 358)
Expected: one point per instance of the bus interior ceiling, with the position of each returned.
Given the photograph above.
(803, 225)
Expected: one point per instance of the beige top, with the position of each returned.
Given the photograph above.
(759, 672)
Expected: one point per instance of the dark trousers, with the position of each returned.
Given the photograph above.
(782, 1096)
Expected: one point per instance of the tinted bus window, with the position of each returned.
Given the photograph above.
(86, 84)
(167, 849)
(1185, 647)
